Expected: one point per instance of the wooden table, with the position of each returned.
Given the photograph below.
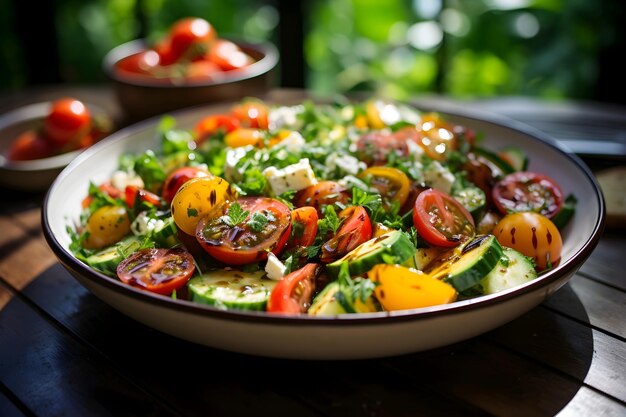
(63, 352)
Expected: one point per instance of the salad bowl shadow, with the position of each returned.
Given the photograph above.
(350, 336)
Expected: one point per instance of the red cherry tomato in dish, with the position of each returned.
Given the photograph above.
(374, 148)
(252, 114)
(134, 194)
(243, 239)
(157, 270)
(67, 122)
(210, 125)
(177, 178)
(355, 228)
(107, 188)
(436, 137)
(303, 227)
(28, 146)
(139, 64)
(441, 220)
(202, 71)
(321, 194)
(228, 56)
(190, 37)
(528, 191)
(294, 292)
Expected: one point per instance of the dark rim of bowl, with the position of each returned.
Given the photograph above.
(379, 318)
(264, 65)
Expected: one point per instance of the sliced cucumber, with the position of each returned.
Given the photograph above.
(513, 269)
(503, 165)
(473, 199)
(167, 235)
(232, 289)
(107, 259)
(465, 266)
(515, 157)
(391, 248)
(331, 301)
(422, 258)
(563, 216)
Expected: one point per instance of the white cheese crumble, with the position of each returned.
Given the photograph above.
(284, 116)
(143, 225)
(345, 163)
(438, 177)
(292, 143)
(274, 268)
(122, 179)
(293, 177)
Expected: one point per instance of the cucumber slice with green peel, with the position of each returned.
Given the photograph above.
(107, 259)
(473, 199)
(391, 248)
(331, 301)
(463, 267)
(513, 269)
(492, 157)
(166, 236)
(565, 214)
(232, 289)
(515, 157)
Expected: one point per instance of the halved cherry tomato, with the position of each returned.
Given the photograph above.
(303, 227)
(157, 270)
(68, 121)
(355, 228)
(391, 183)
(252, 114)
(30, 145)
(243, 137)
(133, 194)
(210, 125)
(177, 178)
(321, 194)
(528, 191)
(228, 56)
(374, 148)
(294, 292)
(441, 220)
(247, 241)
(191, 37)
(532, 234)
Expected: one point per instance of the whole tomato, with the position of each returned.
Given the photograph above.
(190, 37)
(68, 121)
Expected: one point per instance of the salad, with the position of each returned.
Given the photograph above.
(322, 209)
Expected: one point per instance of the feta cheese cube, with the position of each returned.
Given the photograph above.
(439, 177)
(293, 177)
(274, 268)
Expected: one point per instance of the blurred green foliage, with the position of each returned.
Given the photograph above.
(399, 48)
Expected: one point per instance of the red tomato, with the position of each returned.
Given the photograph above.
(177, 178)
(249, 240)
(157, 270)
(436, 137)
(213, 124)
(163, 48)
(355, 228)
(252, 114)
(190, 37)
(133, 194)
(303, 227)
(441, 220)
(107, 188)
(67, 122)
(294, 292)
(228, 56)
(201, 71)
(142, 63)
(374, 148)
(528, 191)
(321, 194)
(30, 145)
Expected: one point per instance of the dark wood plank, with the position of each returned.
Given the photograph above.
(8, 408)
(606, 263)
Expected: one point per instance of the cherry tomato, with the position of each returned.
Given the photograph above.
(105, 187)
(440, 219)
(294, 292)
(106, 226)
(401, 288)
(177, 178)
(190, 37)
(243, 137)
(197, 198)
(134, 194)
(436, 137)
(228, 56)
(303, 227)
(30, 145)
(355, 228)
(140, 64)
(157, 270)
(252, 114)
(215, 123)
(532, 234)
(265, 228)
(67, 122)
(391, 183)
(201, 71)
(164, 50)
(528, 191)
(321, 194)
(374, 148)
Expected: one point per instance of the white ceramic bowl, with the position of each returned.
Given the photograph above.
(350, 336)
(37, 174)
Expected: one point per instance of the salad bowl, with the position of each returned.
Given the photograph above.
(347, 336)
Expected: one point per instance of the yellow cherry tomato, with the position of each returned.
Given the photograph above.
(106, 226)
(392, 183)
(198, 198)
(532, 234)
(401, 288)
(243, 136)
(437, 137)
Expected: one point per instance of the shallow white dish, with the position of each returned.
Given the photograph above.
(350, 336)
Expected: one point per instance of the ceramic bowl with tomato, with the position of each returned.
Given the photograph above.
(187, 67)
(38, 140)
(347, 336)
